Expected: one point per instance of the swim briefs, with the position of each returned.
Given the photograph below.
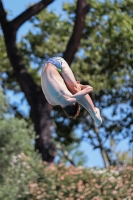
(57, 62)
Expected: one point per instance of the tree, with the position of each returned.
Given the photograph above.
(104, 60)
(40, 109)
(107, 49)
(106, 45)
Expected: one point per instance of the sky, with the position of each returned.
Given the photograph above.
(14, 8)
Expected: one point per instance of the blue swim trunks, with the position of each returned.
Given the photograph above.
(57, 62)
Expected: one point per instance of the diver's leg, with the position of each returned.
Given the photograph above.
(74, 87)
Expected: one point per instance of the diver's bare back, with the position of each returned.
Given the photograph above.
(53, 86)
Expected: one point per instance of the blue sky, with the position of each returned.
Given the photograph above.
(14, 8)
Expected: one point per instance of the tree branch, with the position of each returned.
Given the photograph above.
(66, 154)
(103, 151)
(31, 11)
(2, 13)
(73, 44)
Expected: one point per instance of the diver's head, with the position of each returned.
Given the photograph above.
(72, 111)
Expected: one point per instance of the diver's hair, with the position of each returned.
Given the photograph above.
(72, 111)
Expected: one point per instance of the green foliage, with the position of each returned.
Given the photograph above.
(120, 157)
(16, 143)
(3, 105)
(107, 45)
(70, 154)
(3, 56)
(7, 77)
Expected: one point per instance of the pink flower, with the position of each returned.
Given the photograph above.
(114, 192)
(104, 192)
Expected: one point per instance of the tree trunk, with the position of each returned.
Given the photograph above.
(81, 11)
(103, 151)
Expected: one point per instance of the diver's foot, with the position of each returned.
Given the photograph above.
(97, 117)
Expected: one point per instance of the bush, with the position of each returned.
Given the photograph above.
(70, 183)
(16, 136)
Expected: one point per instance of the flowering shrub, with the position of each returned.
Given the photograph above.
(69, 183)
(29, 179)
